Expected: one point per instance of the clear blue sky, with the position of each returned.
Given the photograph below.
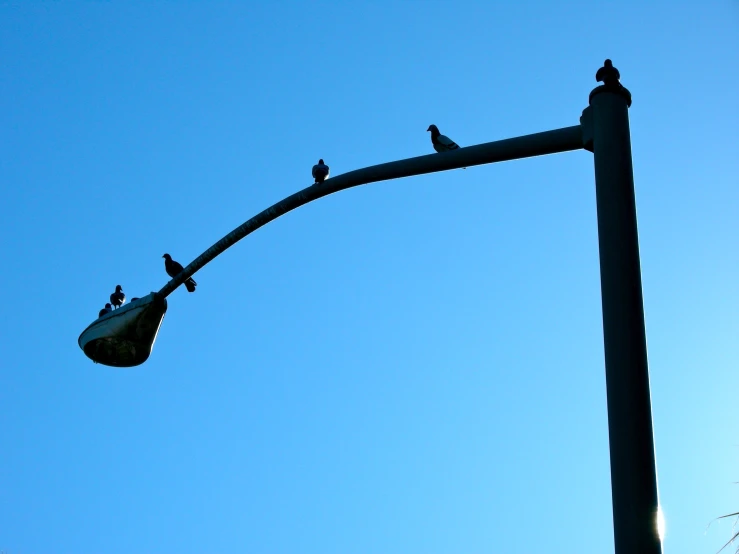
(410, 366)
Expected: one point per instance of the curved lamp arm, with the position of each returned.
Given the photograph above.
(549, 142)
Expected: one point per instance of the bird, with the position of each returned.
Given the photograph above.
(609, 75)
(106, 310)
(117, 298)
(441, 143)
(174, 268)
(320, 172)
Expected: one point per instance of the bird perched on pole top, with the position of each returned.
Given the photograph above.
(441, 143)
(320, 172)
(117, 298)
(106, 310)
(608, 75)
(174, 268)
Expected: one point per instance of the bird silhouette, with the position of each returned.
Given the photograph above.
(174, 268)
(106, 310)
(441, 143)
(117, 298)
(320, 172)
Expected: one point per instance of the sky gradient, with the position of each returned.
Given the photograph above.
(409, 366)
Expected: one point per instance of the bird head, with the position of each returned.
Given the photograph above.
(320, 162)
(433, 129)
(118, 288)
(167, 257)
(107, 305)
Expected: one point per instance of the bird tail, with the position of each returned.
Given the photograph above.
(190, 285)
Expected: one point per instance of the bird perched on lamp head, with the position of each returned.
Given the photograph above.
(106, 310)
(117, 298)
(320, 172)
(441, 143)
(174, 268)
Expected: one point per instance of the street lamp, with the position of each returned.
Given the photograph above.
(125, 337)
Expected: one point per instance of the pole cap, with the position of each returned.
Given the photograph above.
(609, 76)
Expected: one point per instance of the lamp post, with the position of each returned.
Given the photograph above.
(125, 337)
(633, 468)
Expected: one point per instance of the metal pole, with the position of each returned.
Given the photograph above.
(633, 470)
(539, 144)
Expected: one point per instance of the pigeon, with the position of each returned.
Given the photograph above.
(609, 75)
(174, 269)
(117, 298)
(320, 172)
(440, 142)
(106, 310)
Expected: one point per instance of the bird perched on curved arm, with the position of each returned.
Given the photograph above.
(106, 310)
(117, 298)
(441, 143)
(320, 172)
(174, 268)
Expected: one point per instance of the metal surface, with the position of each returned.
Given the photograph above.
(549, 142)
(633, 471)
(125, 337)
